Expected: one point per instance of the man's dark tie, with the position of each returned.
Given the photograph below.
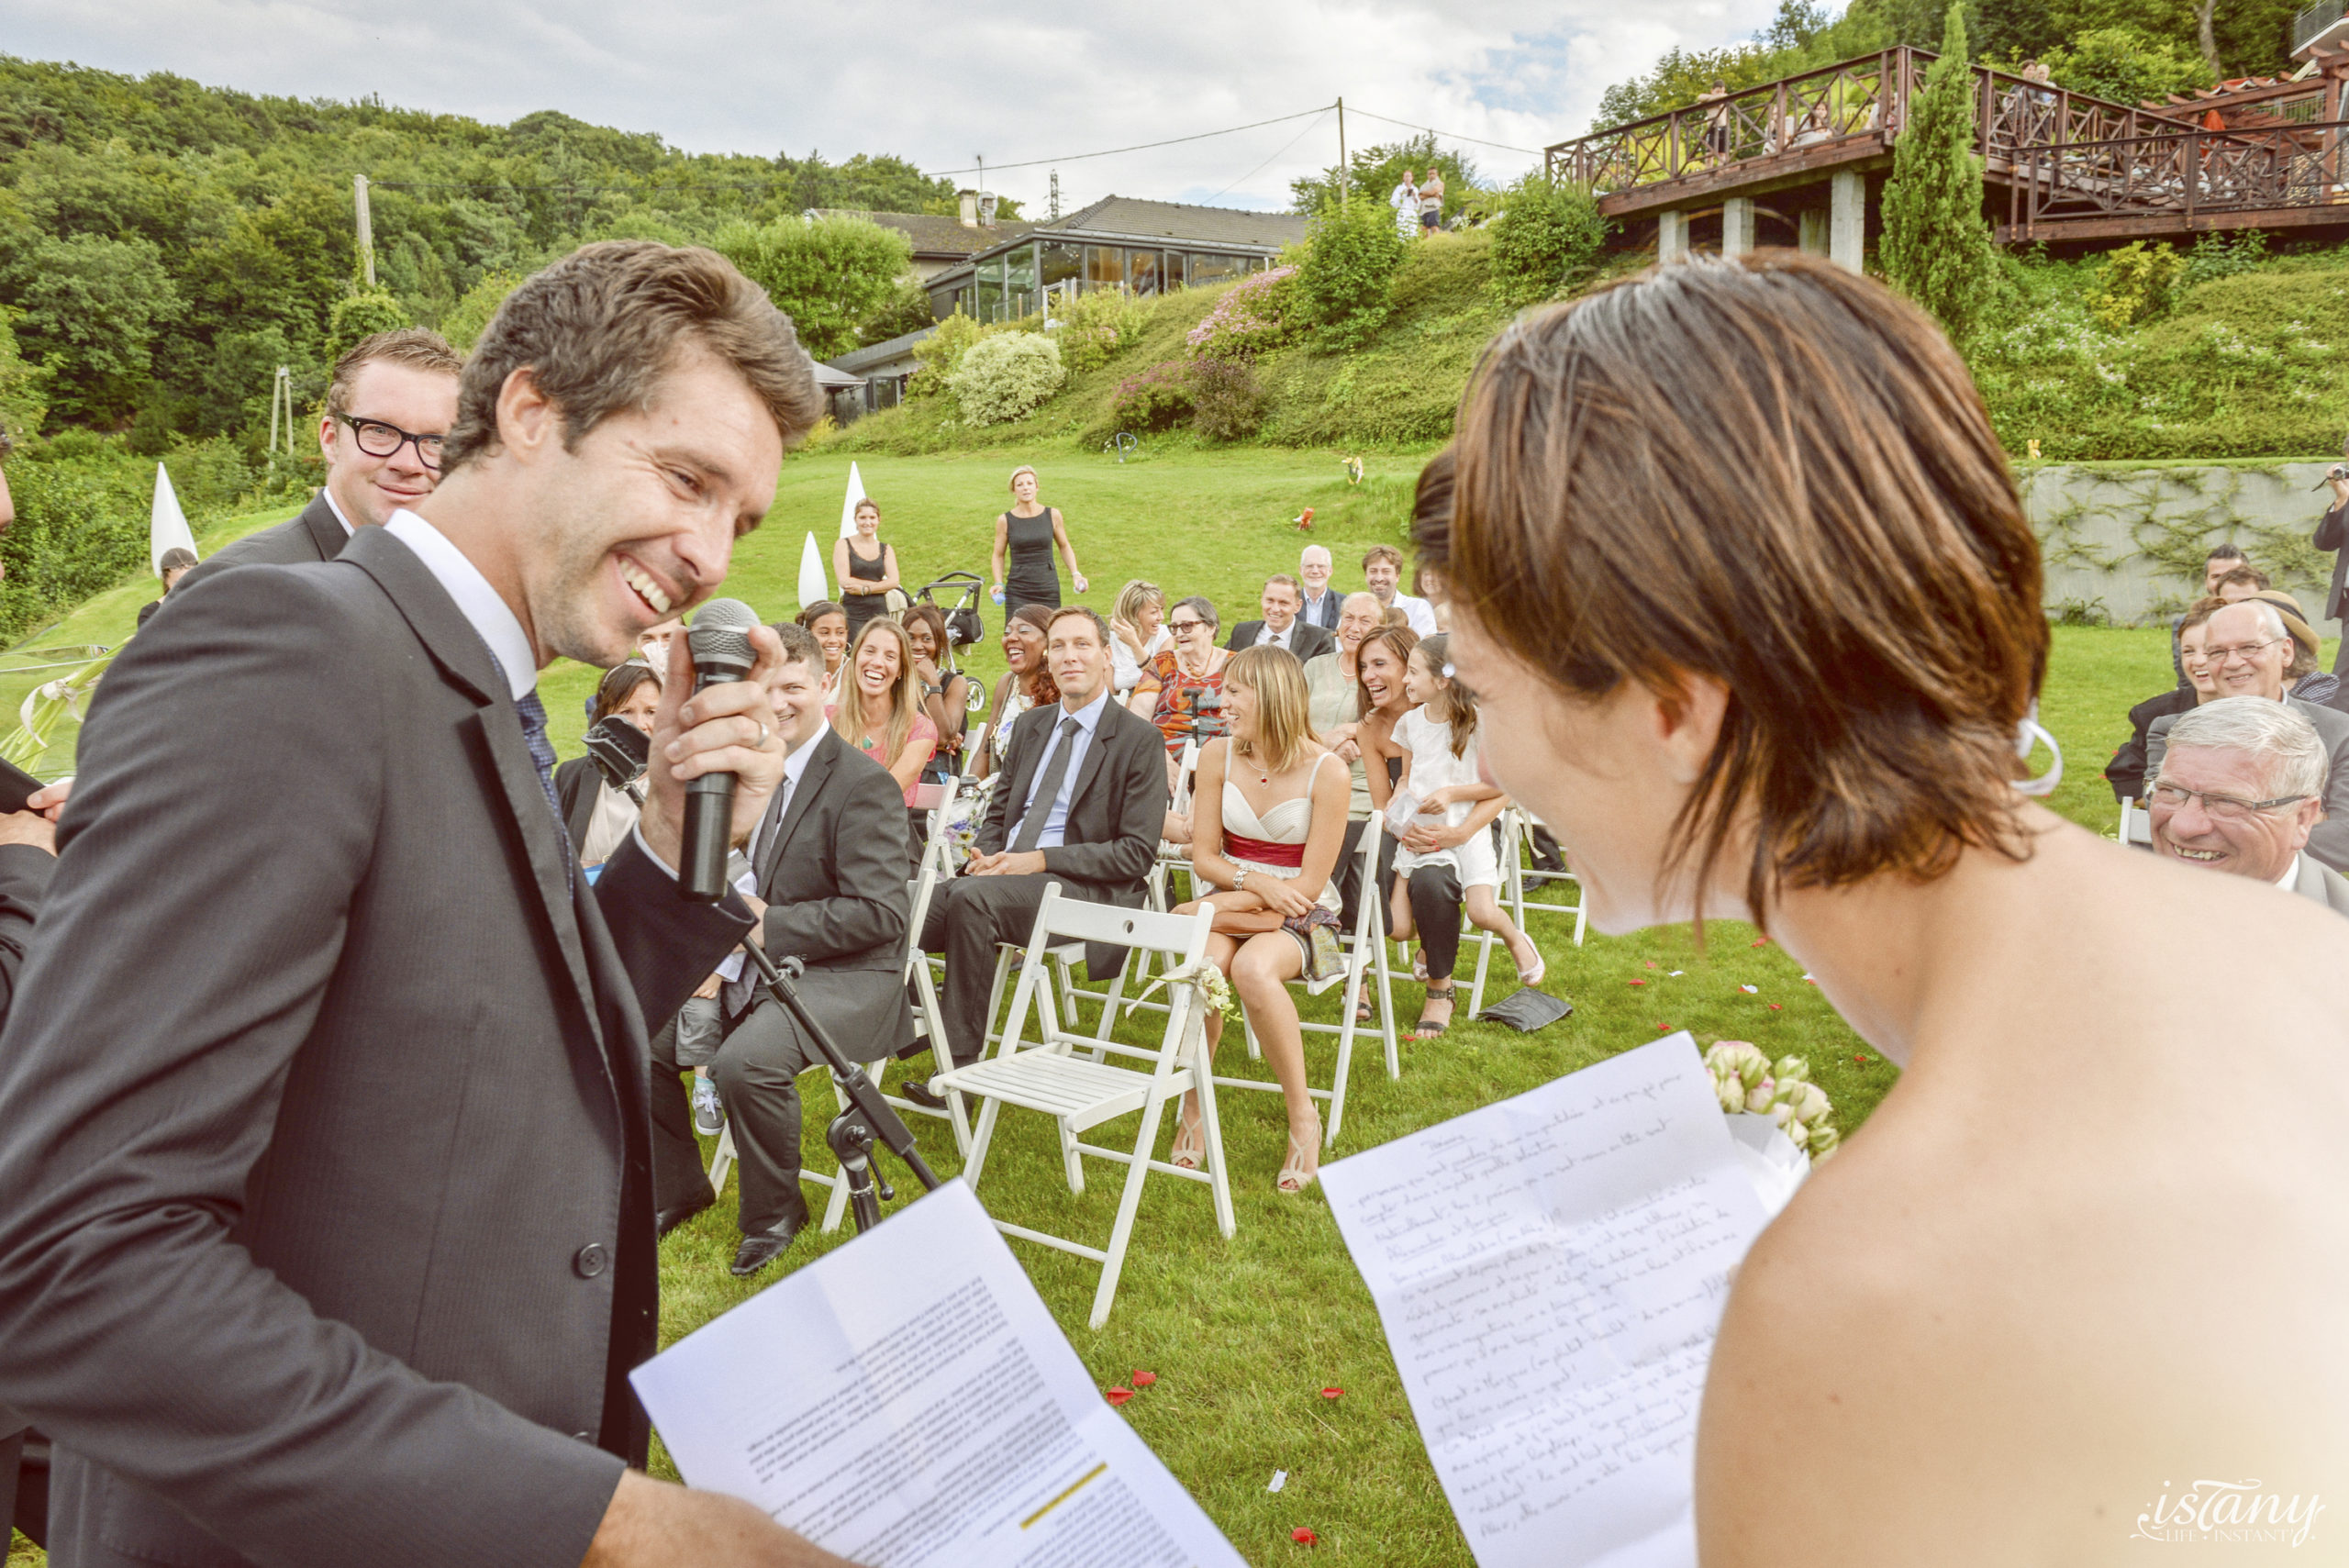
(534, 736)
(1040, 806)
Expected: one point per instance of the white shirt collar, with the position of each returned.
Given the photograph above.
(795, 761)
(479, 603)
(2291, 874)
(336, 507)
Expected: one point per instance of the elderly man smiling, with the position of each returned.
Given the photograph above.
(2248, 650)
(2240, 787)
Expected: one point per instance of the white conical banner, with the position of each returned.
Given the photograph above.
(848, 506)
(812, 580)
(168, 531)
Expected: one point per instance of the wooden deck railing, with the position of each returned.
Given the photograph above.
(1867, 98)
(2185, 172)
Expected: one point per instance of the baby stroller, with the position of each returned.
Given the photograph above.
(961, 609)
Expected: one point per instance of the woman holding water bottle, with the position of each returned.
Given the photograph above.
(1029, 533)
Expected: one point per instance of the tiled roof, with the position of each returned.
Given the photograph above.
(1183, 221)
(862, 359)
(934, 235)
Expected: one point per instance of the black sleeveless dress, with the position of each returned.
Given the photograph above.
(863, 607)
(1029, 578)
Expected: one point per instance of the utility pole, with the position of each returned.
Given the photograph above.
(1345, 181)
(280, 395)
(366, 227)
(1056, 195)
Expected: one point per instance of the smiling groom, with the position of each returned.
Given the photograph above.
(323, 1103)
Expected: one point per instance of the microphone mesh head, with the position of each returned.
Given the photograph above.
(722, 633)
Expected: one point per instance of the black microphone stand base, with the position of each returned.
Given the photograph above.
(866, 1118)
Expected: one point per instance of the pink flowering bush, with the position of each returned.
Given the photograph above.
(1253, 317)
(1156, 399)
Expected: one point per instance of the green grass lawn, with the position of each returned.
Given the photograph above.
(1243, 1334)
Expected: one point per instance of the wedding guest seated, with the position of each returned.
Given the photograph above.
(945, 691)
(2126, 772)
(1025, 684)
(2308, 681)
(2242, 785)
(827, 623)
(1333, 688)
(830, 856)
(1282, 626)
(2223, 559)
(1265, 837)
(2248, 651)
(1181, 690)
(1082, 801)
(598, 812)
(2240, 582)
(1138, 633)
(878, 707)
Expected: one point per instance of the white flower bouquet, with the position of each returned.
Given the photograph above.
(1748, 1084)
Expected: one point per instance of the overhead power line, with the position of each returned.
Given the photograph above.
(1448, 135)
(1267, 163)
(1138, 147)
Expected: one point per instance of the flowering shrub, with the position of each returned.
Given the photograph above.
(1228, 403)
(1252, 316)
(1006, 377)
(942, 353)
(1745, 1081)
(1157, 398)
(1097, 327)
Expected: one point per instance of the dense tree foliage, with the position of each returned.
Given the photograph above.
(164, 246)
(1937, 248)
(1373, 172)
(2250, 36)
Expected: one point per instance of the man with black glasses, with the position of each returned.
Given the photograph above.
(391, 401)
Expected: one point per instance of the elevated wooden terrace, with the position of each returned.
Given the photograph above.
(2061, 164)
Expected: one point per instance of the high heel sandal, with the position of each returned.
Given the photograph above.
(1190, 1144)
(1427, 1028)
(1294, 1178)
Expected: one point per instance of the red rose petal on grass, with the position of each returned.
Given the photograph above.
(1117, 1396)
(1651, 963)
(1861, 1060)
(1332, 1392)
(1761, 942)
(1635, 983)
(1773, 1007)
(1144, 1379)
(1302, 1535)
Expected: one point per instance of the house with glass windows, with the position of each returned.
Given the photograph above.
(1119, 242)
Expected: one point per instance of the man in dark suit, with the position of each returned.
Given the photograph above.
(2332, 533)
(338, 1149)
(1281, 627)
(829, 857)
(1094, 830)
(27, 856)
(1323, 604)
(389, 407)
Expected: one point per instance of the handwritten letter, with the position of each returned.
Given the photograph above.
(1549, 1272)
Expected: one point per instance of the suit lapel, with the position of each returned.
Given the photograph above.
(326, 532)
(819, 768)
(464, 661)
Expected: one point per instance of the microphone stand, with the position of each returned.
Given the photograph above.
(866, 1117)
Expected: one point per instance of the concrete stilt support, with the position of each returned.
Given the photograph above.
(1672, 237)
(1847, 223)
(1737, 226)
(1813, 223)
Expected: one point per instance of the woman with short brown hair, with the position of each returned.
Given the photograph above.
(1737, 568)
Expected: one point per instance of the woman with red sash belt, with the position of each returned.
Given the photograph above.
(1268, 818)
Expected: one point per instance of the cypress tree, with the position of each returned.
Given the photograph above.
(1937, 247)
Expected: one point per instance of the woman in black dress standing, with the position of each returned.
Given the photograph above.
(1027, 533)
(865, 580)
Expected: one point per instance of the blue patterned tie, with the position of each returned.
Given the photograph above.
(534, 736)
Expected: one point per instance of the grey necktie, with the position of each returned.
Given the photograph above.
(534, 736)
(1040, 804)
(739, 992)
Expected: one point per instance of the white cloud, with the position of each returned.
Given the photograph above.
(933, 80)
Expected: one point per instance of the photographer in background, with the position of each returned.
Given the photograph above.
(177, 563)
(2332, 533)
(599, 793)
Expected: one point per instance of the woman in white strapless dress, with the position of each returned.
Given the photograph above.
(1269, 818)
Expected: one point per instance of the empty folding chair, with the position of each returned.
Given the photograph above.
(1037, 1069)
(1366, 950)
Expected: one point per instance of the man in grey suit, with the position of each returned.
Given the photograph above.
(2249, 649)
(390, 404)
(328, 1236)
(1282, 627)
(829, 857)
(1094, 831)
(2242, 785)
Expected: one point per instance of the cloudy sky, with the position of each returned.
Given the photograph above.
(937, 81)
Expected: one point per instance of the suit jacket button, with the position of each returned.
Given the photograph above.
(583, 1437)
(593, 1259)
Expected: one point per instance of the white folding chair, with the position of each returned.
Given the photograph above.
(1366, 950)
(1516, 848)
(1080, 1093)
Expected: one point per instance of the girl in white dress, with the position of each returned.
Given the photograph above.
(1268, 822)
(1446, 852)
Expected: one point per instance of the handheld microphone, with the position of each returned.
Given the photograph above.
(721, 641)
